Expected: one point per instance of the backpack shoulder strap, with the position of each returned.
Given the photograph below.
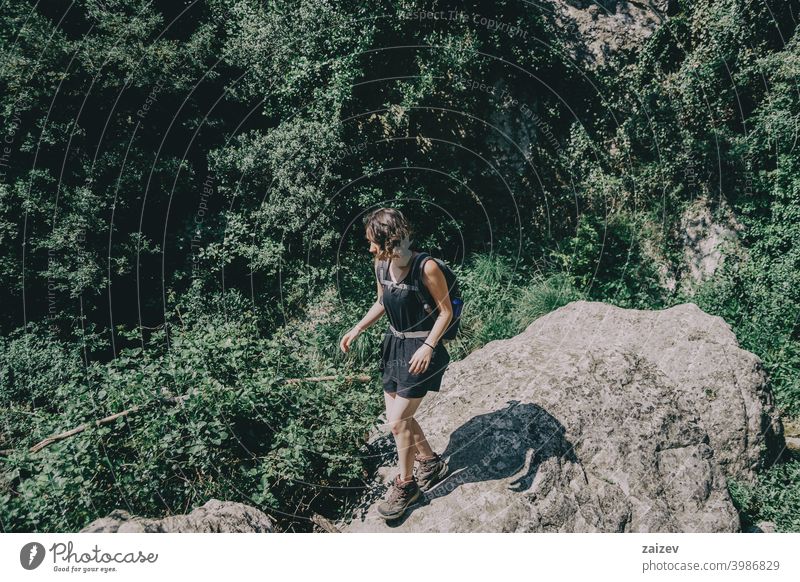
(380, 272)
(416, 277)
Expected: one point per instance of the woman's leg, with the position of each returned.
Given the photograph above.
(388, 398)
(400, 419)
(421, 445)
(423, 448)
(418, 436)
(420, 442)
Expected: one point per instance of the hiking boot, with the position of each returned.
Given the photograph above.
(430, 471)
(400, 496)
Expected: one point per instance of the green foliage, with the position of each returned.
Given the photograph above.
(500, 302)
(277, 186)
(758, 290)
(159, 170)
(707, 110)
(239, 433)
(605, 260)
(775, 497)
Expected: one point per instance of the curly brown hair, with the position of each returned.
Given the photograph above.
(387, 227)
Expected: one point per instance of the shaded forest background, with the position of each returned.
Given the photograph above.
(182, 186)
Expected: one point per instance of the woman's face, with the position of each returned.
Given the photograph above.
(373, 247)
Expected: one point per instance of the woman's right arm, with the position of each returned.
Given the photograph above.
(374, 314)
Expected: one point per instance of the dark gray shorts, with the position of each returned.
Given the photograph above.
(395, 355)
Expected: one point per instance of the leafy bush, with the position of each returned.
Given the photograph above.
(500, 302)
(240, 431)
(273, 137)
(774, 497)
(605, 260)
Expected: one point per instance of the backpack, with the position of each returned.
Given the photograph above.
(425, 297)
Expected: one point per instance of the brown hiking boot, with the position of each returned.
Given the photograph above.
(430, 471)
(398, 499)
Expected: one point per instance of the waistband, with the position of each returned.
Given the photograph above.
(405, 334)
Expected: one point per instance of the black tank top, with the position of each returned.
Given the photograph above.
(403, 307)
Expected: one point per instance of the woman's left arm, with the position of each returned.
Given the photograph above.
(434, 281)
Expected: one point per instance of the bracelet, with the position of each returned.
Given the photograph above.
(429, 345)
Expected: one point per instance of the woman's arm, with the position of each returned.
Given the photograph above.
(434, 281)
(374, 314)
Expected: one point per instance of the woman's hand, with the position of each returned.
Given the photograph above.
(421, 359)
(348, 338)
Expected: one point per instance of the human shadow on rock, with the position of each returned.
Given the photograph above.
(510, 442)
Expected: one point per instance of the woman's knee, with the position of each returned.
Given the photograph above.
(399, 425)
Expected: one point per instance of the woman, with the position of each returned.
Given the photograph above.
(413, 360)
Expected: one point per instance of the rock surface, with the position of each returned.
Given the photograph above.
(704, 234)
(214, 517)
(709, 233)
(598, 29)
(762, 527)
(726, 385)
(791, 429)
(595, 419)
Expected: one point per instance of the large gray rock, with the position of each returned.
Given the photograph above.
(214, 517)
(595, 419)
(726, 385)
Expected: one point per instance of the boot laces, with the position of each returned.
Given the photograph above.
(433, 459)
(397, 490)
